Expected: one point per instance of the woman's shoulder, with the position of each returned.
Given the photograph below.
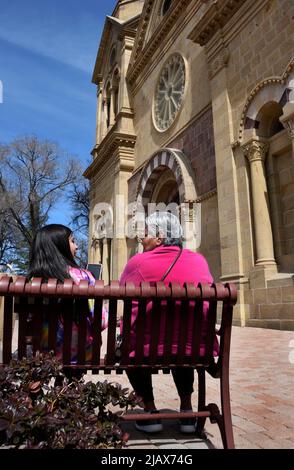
(132, 268)
(194, 254)
(135, 260)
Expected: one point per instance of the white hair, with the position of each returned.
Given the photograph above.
(165, 225)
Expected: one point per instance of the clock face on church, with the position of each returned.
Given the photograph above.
(169, 92)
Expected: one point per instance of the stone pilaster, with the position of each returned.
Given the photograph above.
(105, 262)
(227, 187)
(96, 250)
(255, 151)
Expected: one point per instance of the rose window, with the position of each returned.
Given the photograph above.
(169, 92)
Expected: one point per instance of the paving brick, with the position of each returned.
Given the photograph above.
(196, 445)
(172, 446)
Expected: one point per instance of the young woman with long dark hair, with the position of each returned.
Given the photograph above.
(53, 256)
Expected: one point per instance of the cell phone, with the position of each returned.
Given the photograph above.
(95, 269)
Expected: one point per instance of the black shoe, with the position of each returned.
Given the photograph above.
(188, 425)
(149, 426)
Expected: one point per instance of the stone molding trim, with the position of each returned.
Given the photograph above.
(140, 57)
(206, 196)
(258, 97)
(178, 163)
(113, 142)
(216, 17)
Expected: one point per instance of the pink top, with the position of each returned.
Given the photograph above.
(151, 266)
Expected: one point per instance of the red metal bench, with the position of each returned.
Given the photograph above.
(36, 301)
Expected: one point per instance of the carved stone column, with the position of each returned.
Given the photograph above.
(99, 113)
(103, 118)
(112, 105)
(287, 119)
(255, 151)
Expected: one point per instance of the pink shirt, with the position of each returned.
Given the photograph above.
(150, 266)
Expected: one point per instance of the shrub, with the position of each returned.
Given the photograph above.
(41, 407)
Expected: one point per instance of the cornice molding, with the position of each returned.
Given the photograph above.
(114, 142)
(140, 57)
(142, 29)
(216, 17)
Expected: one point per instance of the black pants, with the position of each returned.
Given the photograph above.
(141, 381)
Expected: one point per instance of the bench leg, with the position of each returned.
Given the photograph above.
(227, 431)
(201, 403)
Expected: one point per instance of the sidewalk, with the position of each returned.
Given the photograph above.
(262, 397)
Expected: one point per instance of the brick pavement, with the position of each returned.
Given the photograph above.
(262, 397)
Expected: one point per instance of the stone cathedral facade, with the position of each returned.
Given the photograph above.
(195, 106)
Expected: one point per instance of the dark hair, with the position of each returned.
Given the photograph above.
(50, 253)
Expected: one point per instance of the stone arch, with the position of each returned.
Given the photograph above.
(179, 165)
(273, 89)
(115, 75)
(268, 119)
(112, 56)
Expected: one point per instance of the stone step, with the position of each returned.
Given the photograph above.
(280, 280)
(275, 324)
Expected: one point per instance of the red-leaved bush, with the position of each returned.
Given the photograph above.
(42, 408)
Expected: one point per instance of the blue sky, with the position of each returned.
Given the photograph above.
(47, 54)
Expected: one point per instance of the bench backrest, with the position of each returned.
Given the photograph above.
(37, 303)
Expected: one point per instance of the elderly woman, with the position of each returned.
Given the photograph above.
(164, 259)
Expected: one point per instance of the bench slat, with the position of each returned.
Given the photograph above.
(140, 330)
(196, 330)
(183, 330)
(156, 318)
(37, 323)
(97, 323)
(67, 309)
(169, 329)
(23, 315)
(110, 358)
(210, 336)
(52, 318)
(126, 345)
(82, 308)
(7, 329)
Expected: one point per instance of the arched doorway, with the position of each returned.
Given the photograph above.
(167, 180)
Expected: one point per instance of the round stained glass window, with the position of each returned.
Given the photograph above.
(169, 92)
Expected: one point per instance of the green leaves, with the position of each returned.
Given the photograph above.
(42, 408)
